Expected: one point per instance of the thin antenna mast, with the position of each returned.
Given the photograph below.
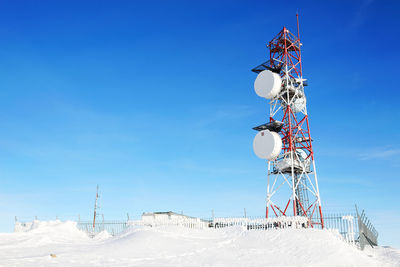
(95, 208)
(298, 27)
(298, 37)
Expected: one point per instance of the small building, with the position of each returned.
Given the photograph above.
(163, 216)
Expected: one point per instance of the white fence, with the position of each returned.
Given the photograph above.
(262, 223)
(23, 226)
(349, 236)
(347, 225)
(194, 223)
(250, 224)
(297, 222)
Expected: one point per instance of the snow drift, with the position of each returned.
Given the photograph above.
(178, 246)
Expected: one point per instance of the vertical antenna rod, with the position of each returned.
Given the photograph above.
(298, 37)
(95, 207)
(298, 27)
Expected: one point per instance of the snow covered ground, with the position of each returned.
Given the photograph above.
(178, 246)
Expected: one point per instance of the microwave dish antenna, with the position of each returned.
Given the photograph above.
(267, 145)
(267, 84)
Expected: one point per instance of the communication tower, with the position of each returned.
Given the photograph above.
(285, 140)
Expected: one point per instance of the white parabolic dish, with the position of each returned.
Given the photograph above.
(267, 84)
(267, 145)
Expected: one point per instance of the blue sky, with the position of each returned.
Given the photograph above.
(155, 103)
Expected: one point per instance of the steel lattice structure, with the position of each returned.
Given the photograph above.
(295, 166)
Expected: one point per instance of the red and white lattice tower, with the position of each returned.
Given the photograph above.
(285, 140)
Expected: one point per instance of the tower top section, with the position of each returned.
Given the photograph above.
(285, 56)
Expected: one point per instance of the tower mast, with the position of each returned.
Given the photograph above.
(292, 172)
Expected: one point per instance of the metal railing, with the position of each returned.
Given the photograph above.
(367, 232)
(345, 224)
(355, 228)
(193, 223)
(261, 223)
(113, 227)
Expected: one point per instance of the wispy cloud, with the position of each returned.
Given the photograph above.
(225, 113)
(361, 14)
(341, 180)
(380, 153)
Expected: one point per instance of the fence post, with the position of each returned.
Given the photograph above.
(213, 218)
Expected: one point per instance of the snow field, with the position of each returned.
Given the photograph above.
(179, 246)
